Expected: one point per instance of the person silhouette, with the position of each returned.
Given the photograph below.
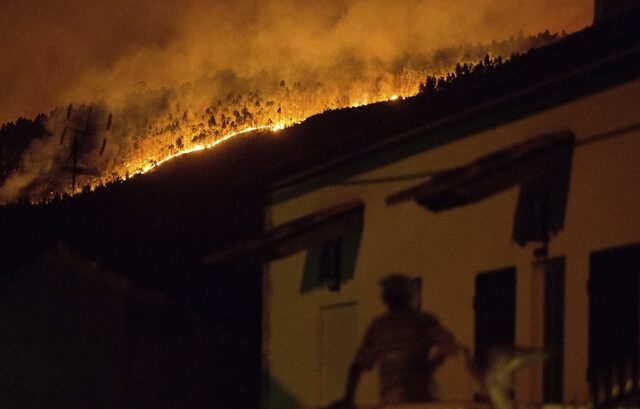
(406, 344)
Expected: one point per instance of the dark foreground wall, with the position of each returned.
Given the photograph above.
(165, 330)
(73, 335)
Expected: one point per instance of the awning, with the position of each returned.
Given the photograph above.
(297, 235)
(541, 166)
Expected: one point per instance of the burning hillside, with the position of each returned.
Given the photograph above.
(184, 76)
(152, 126)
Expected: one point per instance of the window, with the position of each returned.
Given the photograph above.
(331, 262)
(495, 312)
(552, 381)
(613, 321)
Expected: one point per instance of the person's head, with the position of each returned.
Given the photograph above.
(396, 292)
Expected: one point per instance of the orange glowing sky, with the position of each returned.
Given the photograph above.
(56, 52)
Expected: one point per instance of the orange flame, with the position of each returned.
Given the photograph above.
(141, 165)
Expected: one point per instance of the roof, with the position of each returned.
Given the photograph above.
(491, 173)
(296, 235)
(541, 166)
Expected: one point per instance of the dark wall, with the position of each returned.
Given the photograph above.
(77, 336)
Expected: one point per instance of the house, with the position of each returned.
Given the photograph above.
(517, 216)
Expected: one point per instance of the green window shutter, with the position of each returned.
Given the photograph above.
(311, 268)
(331, 263)
(350, 246)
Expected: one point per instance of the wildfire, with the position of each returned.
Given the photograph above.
(293, 109)
(151, 126)
(272, 128)
(147, 142)
(196, 148)
(189, 131)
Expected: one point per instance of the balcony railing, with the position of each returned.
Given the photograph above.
(477, 405)
(616, 386)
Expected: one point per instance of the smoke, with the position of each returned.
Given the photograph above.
(318, 38)
(69, 49)
(160, 65)
(37, 163)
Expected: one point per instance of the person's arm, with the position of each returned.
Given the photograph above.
(355, 371)
(443, 345)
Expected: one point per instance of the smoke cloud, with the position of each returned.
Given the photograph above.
(162, 67)
(54, 52)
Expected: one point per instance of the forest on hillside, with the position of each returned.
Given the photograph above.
(155, 124)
